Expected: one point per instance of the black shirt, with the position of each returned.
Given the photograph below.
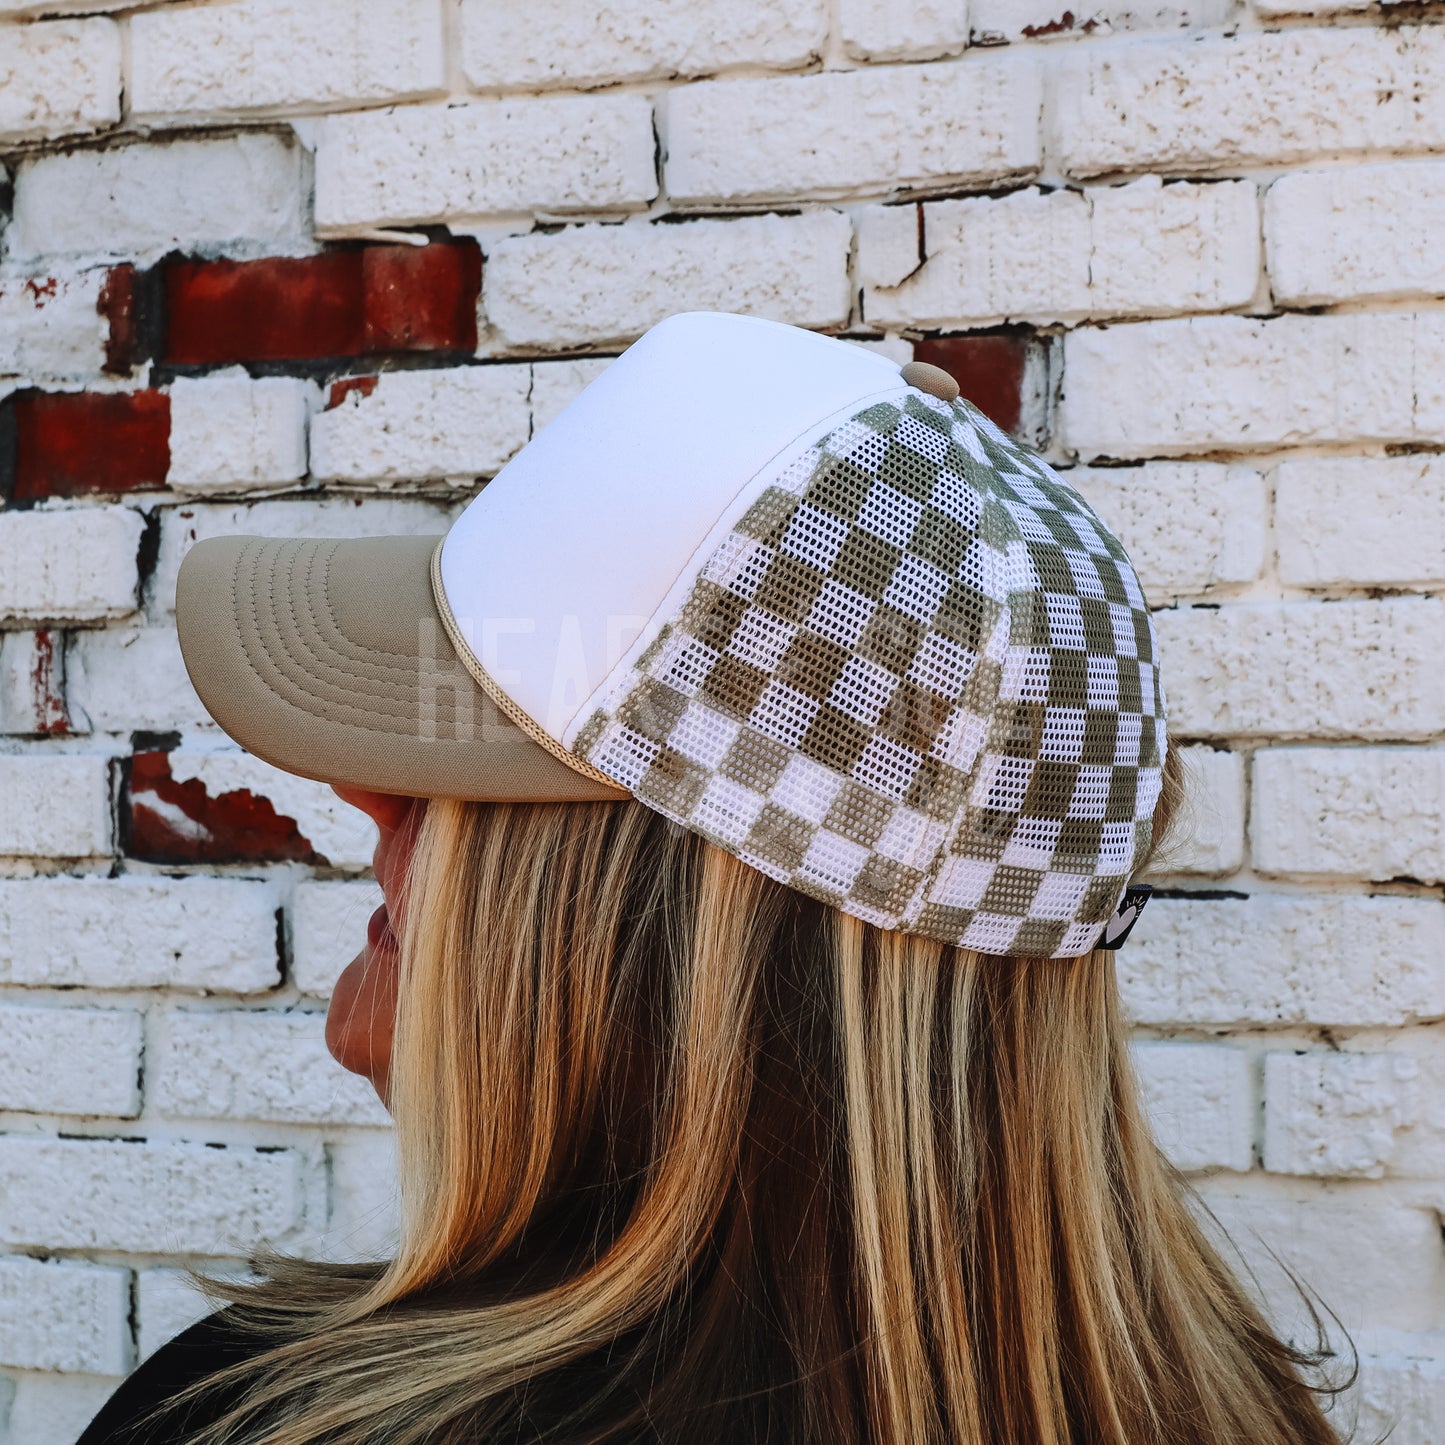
(195, 1353)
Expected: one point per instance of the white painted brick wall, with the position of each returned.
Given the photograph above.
(236, 194)
(146, 1198)
(50, 324)
(1188, 527)
(865, 130)
(61, 77)
(70, 1060)
(1275, 959)
(460, 424)
(54, 805)
(118, 679)
(328, 927)
(1356, 233)
(62, 1316)
(75, 566)
(1354, 812)
(1264, 98)
(1336, 1115)
(1208, 227)
(537, 44)
(185, 933)
(897, 30)
(1200, 1101)
(1330, 669)
(232, 433)
(244, 1065)
(1254, 384)
(1133, 250)
(434, 163)
(256, 54)
(1361, 520)
(53, 1409)
(602, 284)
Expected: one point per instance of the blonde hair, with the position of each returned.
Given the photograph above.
(685, 1155)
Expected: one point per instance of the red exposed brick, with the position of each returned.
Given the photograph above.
(47, 683)
(340, 390)
(376, 299)
(68, 444)
(989, 371)
(421, 298)
(117, 305)
(172, 822)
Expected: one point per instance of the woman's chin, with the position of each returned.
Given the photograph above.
(362, 1012)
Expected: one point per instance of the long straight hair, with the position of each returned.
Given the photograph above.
(686, 1156)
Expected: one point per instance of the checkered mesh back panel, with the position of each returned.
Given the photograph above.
(917, 680)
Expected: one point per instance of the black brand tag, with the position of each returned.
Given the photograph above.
(1126, 915)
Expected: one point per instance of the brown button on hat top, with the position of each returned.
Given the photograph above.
(931, 379)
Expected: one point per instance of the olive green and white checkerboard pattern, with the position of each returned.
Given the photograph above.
(917, 681)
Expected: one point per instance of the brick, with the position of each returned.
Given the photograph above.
(182, 527)
(885, 30)
(234, 194)
(1317, 669)
(58, 77)
(74, 443)
(146, 1197)
(70, 1061)
(1321, 7)
(328, 930)
(459, 423)
(1359, 233)
(1345, 521)
(1374, 1261)
(1278, 959)
(435, 163)
(244, 1065)
(369, 301)
(365, 1211)
(54, 805)
(997, 22)
(231, 432)
(1210, 835)
(51, 323)
(1350, 812)
(254, 54)
(1271, 98)
(1200, 1102)
(1189, 527)
(54, 1409)
(1005, 377)
(1253, 383)
(1402, 1395)
(535, 44)
(1336, 1115)
(601, 284)
(1134, 250)
(556, 383)
(70, 1317)
(878, 130)
(212, 934)
(33, 684)
(71, 566)
(120, 679)
(192, 806)
(167, 1302)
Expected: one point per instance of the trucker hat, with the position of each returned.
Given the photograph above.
(806, 603)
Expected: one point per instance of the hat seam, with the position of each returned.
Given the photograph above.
(510, 709)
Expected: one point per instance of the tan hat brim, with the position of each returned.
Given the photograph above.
(328, 658)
